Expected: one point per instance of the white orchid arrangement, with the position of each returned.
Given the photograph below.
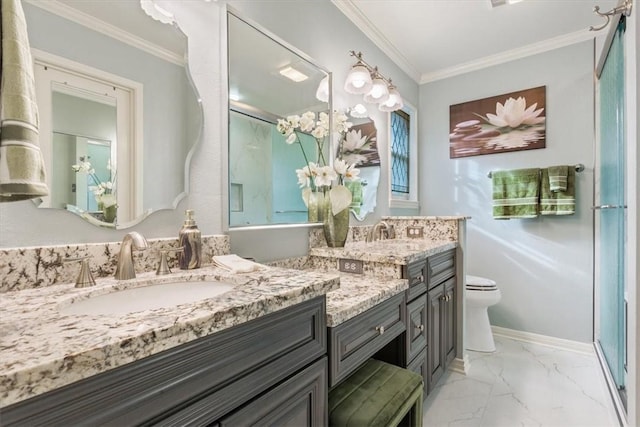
(318, 175)
(104, 191)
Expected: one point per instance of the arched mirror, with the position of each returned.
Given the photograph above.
(119, 115)
(360, 146)
(269, 80)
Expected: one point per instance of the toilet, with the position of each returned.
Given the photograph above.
(481, 293)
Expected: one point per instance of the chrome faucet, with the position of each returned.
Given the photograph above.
(382, 230)
(125, 269)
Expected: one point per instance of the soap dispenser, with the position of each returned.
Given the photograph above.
(190, 240)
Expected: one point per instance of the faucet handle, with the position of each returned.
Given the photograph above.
(163, 266)
(85, 278)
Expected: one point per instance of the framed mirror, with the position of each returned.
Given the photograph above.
(360, 147)
(269, 80)
(119, 115)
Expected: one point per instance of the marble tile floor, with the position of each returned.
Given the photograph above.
(523, 384)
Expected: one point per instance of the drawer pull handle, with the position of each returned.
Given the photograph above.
(418, 279)
(421, 327)
(380, 329)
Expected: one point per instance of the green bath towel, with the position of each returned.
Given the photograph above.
(515, 193)
(558, 202)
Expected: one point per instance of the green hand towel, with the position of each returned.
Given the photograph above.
(558, 202)
(22, 174)
(558, 178)
(515, 193)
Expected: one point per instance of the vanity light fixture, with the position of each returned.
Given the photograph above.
(394, 101)
(359, 78)
(359, 111)
(322, 93)
(367, 80)
(293, 74)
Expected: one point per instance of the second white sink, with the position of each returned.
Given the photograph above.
(148, 298)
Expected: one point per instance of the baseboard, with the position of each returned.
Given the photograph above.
(560, 343)
(460, 366)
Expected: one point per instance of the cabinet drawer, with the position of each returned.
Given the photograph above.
(440, 267)
(415, 274)
(416, 335)
(356, 340)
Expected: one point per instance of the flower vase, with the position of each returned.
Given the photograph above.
(315, 206)
(335, 226)
(109, 213)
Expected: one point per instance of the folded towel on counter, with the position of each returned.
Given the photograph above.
(236, 264)
(516, 193)
(22, 174)
(558, 178)
(557, 202)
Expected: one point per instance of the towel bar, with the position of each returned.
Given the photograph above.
(579, 168)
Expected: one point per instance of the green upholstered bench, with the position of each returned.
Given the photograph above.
(377, 394)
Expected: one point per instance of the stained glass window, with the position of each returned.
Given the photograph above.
(400, 152)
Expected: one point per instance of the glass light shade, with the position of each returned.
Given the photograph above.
(378, 93)
(322, 94)
(359, 111)
(358, 80)
(393, 103)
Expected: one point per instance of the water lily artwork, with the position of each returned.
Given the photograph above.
(509, 122)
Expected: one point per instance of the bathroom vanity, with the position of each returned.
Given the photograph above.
(269, 349)
(258, 350)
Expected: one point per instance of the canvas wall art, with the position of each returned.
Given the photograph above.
(509, 122)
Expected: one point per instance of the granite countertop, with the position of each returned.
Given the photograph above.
(359, 293)
(42, 349)
(393, 251)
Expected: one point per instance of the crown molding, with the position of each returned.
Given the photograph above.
(351, 11)
(510, 55)
(86, 20)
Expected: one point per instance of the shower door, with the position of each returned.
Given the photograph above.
(610, 212)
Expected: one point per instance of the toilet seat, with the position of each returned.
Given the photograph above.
(475, 283)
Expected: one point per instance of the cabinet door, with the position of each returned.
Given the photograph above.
(299, 401)
(416, 326)
(434, 322)
(419, 365)
(449, 321)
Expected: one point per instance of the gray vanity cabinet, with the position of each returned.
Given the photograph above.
(441, 284)
(273, 366)
(431, 316)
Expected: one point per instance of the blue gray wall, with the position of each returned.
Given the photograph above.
(543, 266)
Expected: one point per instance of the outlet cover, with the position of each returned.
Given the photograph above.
(415, 232)
(354, 266)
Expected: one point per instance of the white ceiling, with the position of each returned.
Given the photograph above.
(432, 39)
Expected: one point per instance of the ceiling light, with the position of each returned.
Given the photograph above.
(157, 12)
(293, 74)
(322, 94)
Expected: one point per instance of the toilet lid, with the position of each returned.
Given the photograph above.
(476, 283)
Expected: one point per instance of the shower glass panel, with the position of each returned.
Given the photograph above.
(611, 210)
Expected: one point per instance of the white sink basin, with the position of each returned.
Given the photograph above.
(148, 298)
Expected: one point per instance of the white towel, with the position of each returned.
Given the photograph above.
(22, 174)
(236, 264)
